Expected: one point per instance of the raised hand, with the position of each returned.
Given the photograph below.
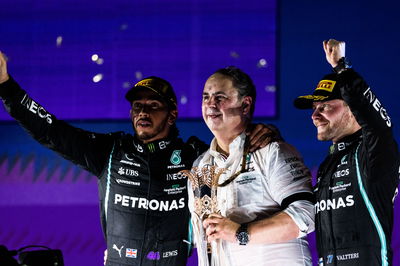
(3, 68)
(334, 50)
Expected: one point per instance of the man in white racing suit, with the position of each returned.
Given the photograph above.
(255, 208)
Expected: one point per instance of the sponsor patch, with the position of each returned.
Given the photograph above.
(329, 259)
(131, 253)
(127, 182)
(175, 166)
(326, 85)
(118, 249)
(340, 186)
(176, 176)
(163, 144)
(153, 255)
(130, 163)
(246, 180)
(36, 108)
(175, 189)
(129, 160)
(341, 173)
(376, 104)
(154, 205)
(316, 98)
(176, 157)
(333, 204)
(351, 256)
(171, 253)
(127, 172)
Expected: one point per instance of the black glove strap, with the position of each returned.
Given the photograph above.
(343, 64)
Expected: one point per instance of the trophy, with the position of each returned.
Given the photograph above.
(205, 184)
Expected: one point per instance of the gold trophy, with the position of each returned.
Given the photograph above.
(204, 182)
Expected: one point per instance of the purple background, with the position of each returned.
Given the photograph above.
(50, 46)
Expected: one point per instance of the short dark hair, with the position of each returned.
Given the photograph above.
(242, 82)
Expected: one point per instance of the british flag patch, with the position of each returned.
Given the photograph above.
(131, 253)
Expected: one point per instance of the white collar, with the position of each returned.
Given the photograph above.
(235, 148)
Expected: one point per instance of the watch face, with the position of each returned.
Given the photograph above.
(243, 238)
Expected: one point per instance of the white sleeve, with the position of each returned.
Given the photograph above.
(191, 209)
(302, 213)
(290, 185)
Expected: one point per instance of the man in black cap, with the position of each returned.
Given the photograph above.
(358, 181)
(143, 196)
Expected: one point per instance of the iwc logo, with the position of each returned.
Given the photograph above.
(175, 157)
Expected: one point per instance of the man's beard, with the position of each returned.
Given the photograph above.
(337, 129)
(144, 136)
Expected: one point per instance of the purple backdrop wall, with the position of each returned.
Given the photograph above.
(80, 57)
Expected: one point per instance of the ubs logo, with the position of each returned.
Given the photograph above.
(128, 172)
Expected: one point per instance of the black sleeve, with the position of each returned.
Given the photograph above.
(366, 107)
(86, 149)
(198, 146)
(379, 143)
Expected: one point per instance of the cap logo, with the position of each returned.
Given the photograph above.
(326, 85)
(150, 83)
(316, 98)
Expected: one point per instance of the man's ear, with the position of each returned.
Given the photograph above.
(130, 114)
(173, 114)
(246, 104)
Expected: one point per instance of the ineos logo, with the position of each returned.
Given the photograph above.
(37, 109)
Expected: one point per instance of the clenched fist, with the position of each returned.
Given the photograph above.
(334, 50)
(3, 69)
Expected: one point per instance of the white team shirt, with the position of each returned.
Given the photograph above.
(275, 172)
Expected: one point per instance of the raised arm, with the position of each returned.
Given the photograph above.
(86, 149)
(367, 109)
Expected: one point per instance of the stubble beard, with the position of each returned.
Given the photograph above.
(336, 130)
(144, 136)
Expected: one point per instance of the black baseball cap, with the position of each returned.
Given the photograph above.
(327, 89)
(158, 85)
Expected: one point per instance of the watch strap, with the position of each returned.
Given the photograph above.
(342, 65)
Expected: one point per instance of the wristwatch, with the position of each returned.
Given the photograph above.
(242, 235)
